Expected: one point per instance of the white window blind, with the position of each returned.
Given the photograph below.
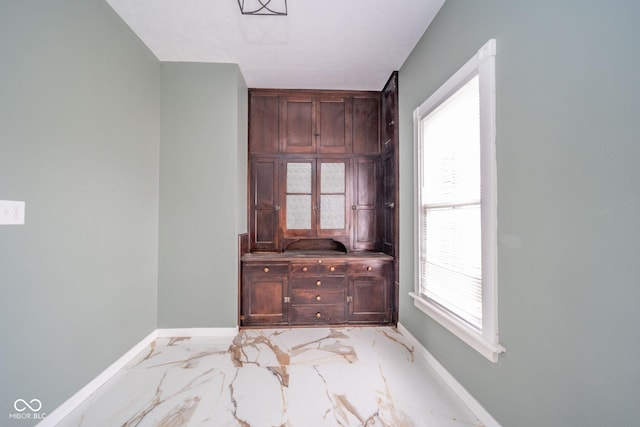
(450, 223)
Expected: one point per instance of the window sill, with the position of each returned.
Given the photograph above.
(475, 340)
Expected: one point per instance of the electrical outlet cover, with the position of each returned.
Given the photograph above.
(11, 212)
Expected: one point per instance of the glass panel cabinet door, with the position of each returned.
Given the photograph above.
(332, 196)
(316, 198)
(299, 196)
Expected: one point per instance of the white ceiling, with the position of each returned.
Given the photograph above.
(320, 44)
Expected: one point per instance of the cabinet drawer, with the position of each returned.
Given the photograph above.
(317, 296)
(265, 269)
(335, 269)
(310, 314)
(371, 267)
(317, 282)
(304, 269)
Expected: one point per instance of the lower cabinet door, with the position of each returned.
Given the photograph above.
(369, 299)
(263, 299)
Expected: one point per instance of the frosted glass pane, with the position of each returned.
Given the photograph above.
(332, 208)
(299, 178)
(332, 176)
(452, 151)
(298, 212)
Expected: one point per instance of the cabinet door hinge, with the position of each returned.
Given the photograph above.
(349, 298)
(287, 300)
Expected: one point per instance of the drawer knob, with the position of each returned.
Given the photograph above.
(332, 268)
(318, 283)
(266, 269)
(318, 297)
(305, 269)
(369, 268)
(318, 315)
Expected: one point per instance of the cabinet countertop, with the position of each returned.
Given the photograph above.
(315, 255)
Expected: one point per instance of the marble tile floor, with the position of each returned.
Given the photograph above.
(306, 377)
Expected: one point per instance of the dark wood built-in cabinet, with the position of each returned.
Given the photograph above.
(322, 241)
(280, 289)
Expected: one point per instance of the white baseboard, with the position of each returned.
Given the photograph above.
(466, 397)
(197, 332)
(74, 401)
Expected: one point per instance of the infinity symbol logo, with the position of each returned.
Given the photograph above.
(21, 405)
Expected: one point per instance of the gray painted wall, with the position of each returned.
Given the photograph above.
(79, 142)
(568, 146)
(202, 193)
(242, 156)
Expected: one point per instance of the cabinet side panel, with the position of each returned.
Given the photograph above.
(389, 194)
(389, 112)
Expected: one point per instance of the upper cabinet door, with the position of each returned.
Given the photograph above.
(297, 124)
(366, 124)
(315, 124)
(333, 125)
(263, 124)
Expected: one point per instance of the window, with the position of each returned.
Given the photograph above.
(455, 203)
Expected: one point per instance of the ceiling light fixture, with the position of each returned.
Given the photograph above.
(263, 7)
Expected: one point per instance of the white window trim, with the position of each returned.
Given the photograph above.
(485, 342)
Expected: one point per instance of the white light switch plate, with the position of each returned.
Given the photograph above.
(11, 212)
